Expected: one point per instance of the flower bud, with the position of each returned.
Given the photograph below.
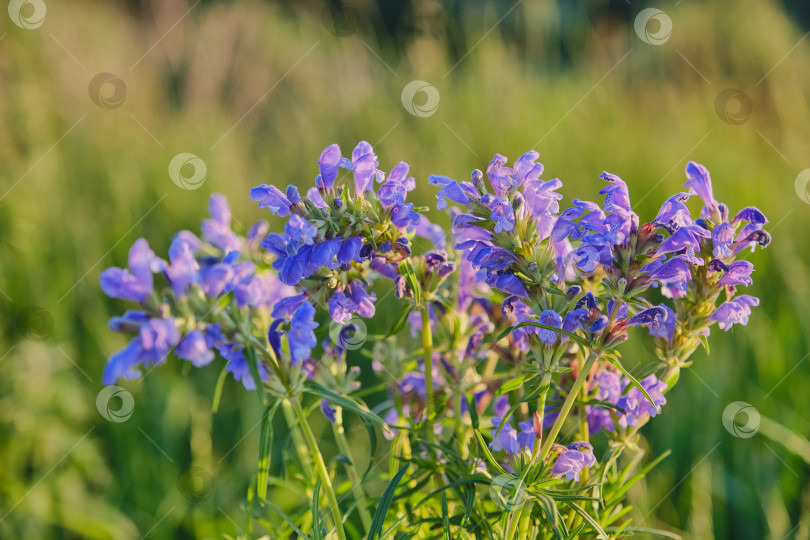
(517, 202)
(401, 284)
(478, 181)
(616, 334)
(537, 425)
(292, 194)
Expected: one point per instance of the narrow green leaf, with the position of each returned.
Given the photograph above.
(253, 365)
(265, 450)
(590, 519)
(620, 367)
(402, 320)
(627, 484)
(574, 535)
(575, 337)
(644, 530)
(488, 454)
(372, 446)
(514, 384)
(251, 497)
(406, 269)
(346, 403)
(469, 502)
(218, 391)
(390, 529)
(411, 534)
(387, 496)
(400, 323)
(705, 341)
(445, 518)
(287, 518)
(463, 482)
(473, 410)
(549, 509)
(317, 530)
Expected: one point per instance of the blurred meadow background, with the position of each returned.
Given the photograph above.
(256, 91)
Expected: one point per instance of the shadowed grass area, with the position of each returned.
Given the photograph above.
(256, 92)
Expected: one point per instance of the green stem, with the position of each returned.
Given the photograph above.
(569, 402)
(298, 441)
(317, 458)
(583, 418)
(541, 408)
(541, 405)
(584, 433)
(514, 518)
(525, 520)
(459, 422)
(351, 470)
(427, 346)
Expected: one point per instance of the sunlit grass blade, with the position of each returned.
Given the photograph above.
(387, 496)
(265, 449)
(587, 517)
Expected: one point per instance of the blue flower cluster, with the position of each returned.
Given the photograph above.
(214, 289)
(519, 238)
(335, 233)
(585, 270)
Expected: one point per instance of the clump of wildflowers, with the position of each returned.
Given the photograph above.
(340, 229)
(186, 316)
(509, 373)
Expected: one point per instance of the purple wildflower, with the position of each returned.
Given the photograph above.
(508, 283)
(700, 183)
(196, 348)
(183, 269)
(735, 311)
(687, 236)
(659, 319)
(738, 273)
(124, 364)
(300, 230)
(301, 335)
(397, 186)
(328, 411)
(722, 238)
(609, 389)
(362, 299)
(576, 457)
(329, 163)
(272, 198)
(636, 405)
(136, 283)
(617, 196)
(674, 213)
(217, 229)
(238, 365)
(364, 165)
(549, 318)
(462, 194)
(501, 212)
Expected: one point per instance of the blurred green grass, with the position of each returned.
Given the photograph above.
(257, 91)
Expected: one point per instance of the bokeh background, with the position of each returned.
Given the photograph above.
(97, 97)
